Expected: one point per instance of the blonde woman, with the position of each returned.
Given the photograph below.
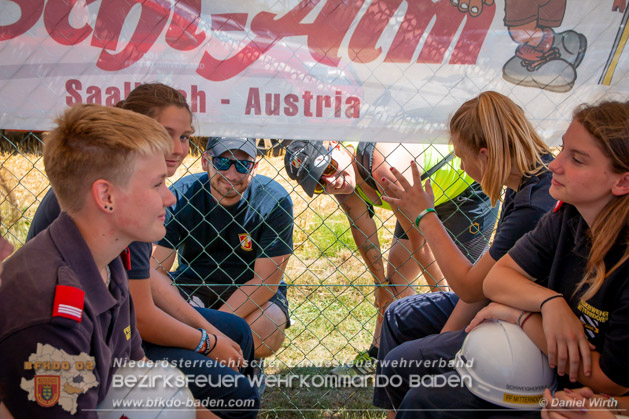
(566, 283)
(498, 148)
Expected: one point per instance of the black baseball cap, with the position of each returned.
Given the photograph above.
(305, 162)
(219, 145)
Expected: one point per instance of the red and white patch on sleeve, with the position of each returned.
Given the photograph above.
(68, 302)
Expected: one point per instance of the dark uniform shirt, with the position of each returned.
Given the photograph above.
(522, 209)
(40, 316)
(555, 254)
(48, 211)
(217, 246)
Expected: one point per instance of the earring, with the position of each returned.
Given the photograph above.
(109, 208)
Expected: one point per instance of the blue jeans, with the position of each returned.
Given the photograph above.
(214, 386)
(408, 320)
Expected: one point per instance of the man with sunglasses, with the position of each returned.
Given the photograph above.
(233, 234)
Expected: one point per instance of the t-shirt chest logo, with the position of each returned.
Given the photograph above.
(245, 242)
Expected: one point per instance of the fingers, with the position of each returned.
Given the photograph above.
(417, 176)
(428, 187)
(584, 347)
(562, 358)
(401, 179)
(552, 351)
(574, 360)
(548, 397)
(392, 188)
(584, 392)
(478, 319)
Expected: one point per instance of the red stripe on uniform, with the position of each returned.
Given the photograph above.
(68, 302)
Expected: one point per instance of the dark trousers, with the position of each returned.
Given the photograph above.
(235, 391)
(409, 320)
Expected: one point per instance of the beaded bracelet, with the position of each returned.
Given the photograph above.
(199, 347)
(422, 214)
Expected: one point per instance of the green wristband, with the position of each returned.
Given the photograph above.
(422, 214)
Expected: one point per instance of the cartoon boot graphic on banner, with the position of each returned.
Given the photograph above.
(544, 58)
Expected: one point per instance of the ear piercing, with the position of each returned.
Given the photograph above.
(109, 208)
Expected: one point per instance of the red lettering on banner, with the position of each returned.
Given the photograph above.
(323, 104)
(197, 99)
(323, 36)
(268, 31)
(253, 102)
(307, 97)
(181, 33)
(93, 95)
(30, 11)
(109, 23)
(77, 93)
(113, 96)
(419, 14)
(229, 22)
(329, 28)
(291, 108)
(72, 87)
(57, 22)
(362, 45)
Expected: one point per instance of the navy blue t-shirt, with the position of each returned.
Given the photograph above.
(555, 254)
(217, 246)
(522, 209)
(49, 210)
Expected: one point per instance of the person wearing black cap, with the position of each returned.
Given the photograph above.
(353, 173)
(233, 234)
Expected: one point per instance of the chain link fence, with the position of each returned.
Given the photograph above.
(330, 286)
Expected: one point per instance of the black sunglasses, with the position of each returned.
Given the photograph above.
(223, 164)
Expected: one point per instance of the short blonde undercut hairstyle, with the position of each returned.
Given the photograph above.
(94, 142)
(493, 121)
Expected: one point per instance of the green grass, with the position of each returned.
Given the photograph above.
(330, 291)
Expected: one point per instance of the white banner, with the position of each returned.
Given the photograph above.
(379, 70)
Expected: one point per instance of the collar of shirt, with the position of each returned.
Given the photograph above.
(72, 247)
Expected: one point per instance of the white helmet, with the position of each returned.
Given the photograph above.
(148, 390)
(500, 363)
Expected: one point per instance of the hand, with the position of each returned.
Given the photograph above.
(473, 7)
(384, 296)
(573, 404)
(409, 199)
(227, 351)
(565, 339)
(619, 6)
(495, 311)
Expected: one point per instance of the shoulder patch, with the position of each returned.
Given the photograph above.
(68, 302)
(60, 378)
